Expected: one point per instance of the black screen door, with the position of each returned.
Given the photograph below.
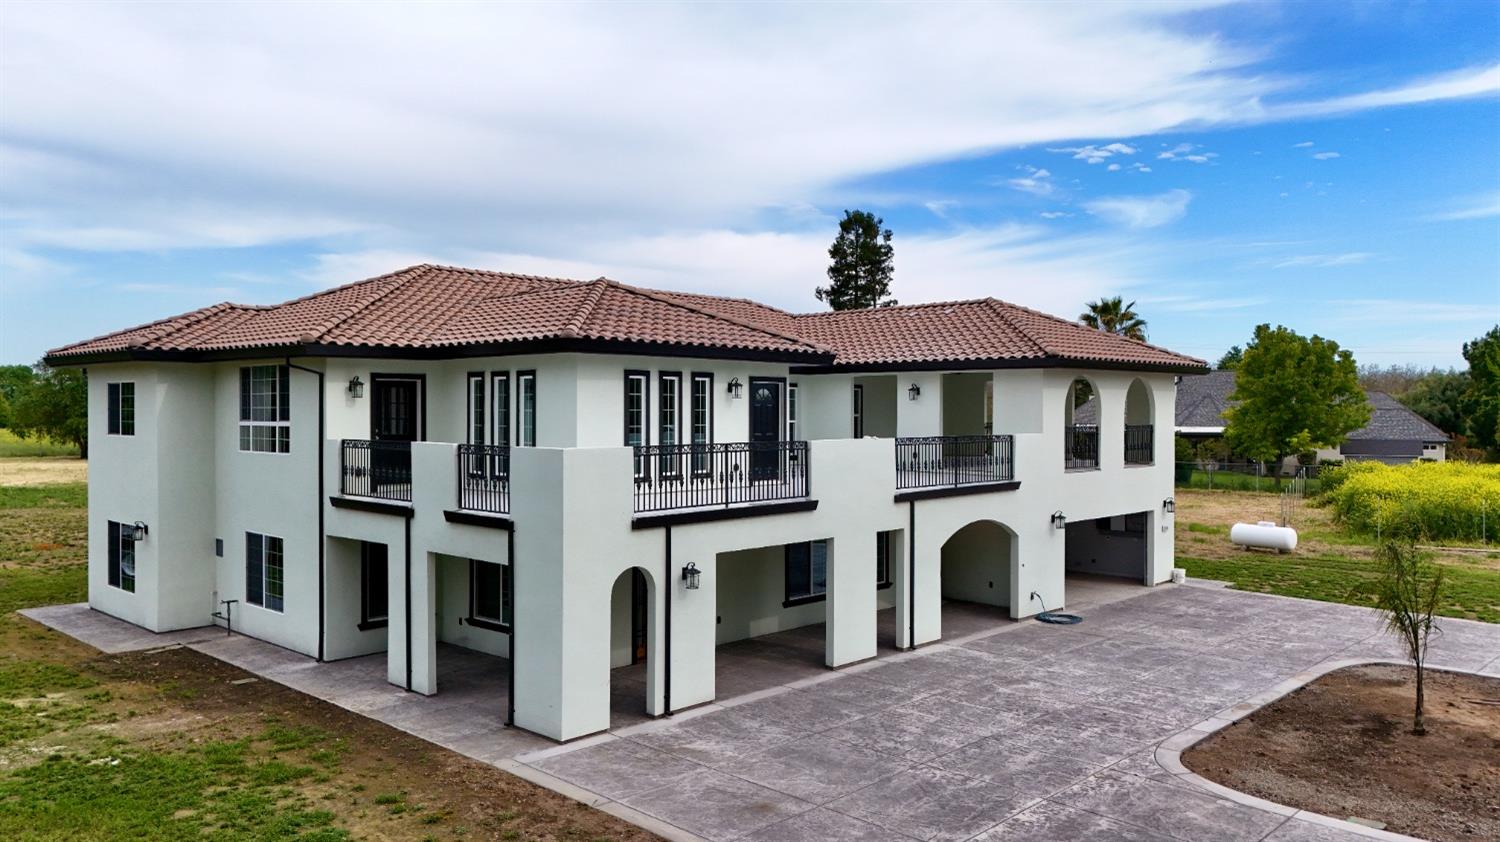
(765, 428)
(396, 418)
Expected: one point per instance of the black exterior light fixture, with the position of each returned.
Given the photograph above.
(1169, 505)
(1059, 521)
(914, 392)
(736, 388)
(356, 387)
(138, 531)
(690, 574)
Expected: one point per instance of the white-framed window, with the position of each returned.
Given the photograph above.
(121, 562)
(121, 409)
(637, 398)
(791, 412)
(859, 411)
(702, 421)
(1430, 448)
(526, 407)
(264, 571)
(500, 397)
(806, 571)
(265, 409)
(476, 408)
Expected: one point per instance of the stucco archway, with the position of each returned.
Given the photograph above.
(632, 645)
(980, 575)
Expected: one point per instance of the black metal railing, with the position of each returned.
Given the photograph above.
(484, 478)
(376, 469)
(937, 461)
(696, 476)
(1081, 446)
(1138, 444)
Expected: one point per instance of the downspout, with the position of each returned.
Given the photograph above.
(911, 574)
(322, 539)
(510, 639)
(407, 521)
(668, 587)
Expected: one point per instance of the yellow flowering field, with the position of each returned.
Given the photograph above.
(1444, 501)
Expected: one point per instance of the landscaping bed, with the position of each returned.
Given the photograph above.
(1342, 746)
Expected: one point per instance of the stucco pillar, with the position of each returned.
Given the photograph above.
(419, 642)
(850, 626)
(927, 589)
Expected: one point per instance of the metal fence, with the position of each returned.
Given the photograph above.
(1081, 446)
(484, 478)
(375, 469)
(694, 476)
(937, 461)
(1138, 444)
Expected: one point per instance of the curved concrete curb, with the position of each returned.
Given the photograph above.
(1169, 751)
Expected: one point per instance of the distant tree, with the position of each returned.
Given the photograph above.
(1292, 394)
(54, 406)
(1231, 359)
(1394, 380)
(1113, 315)
(1408, 592)
(14, 379)
(1482, 401)
(1439, 397)
(861, 264)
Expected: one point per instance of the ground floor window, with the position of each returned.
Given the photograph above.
(122, 556)
(882, 559)
(264, 571)
(489, 595)
(806, 571)
(374, 588)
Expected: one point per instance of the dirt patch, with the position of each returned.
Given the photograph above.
(49, 470)
(1343, 746)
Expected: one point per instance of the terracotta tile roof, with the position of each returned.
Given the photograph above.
(437, 308)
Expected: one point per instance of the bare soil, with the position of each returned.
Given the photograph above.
(42, 470)
(1342, 746)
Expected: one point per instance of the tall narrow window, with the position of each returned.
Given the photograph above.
(489, 595)
(859, 411)
(702, 421)
(264, 571)
(882, 559)
(121, 561)
(122, 409)
(374, 586)
(476, 408)
(989, 407)
(791, 412)
(669, 422)
(636, 399)
(806, 571)
(265, 409)
(500, 396)
(526, 408)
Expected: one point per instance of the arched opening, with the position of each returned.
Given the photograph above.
(1140, 442)
(1081, 416)
(632, 615)
(978, 577)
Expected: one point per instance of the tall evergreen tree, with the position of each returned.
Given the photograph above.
(860, 267)
(1113, 315)
(1482, 403)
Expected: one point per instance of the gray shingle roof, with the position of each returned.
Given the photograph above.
(1202, 399)
(1390, 420)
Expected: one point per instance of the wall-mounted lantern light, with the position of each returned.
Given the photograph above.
(356, 387)
(690, 574)
(1059, 521)
(138, 531)
(736, 388)
(1169, 505)
(914, 392)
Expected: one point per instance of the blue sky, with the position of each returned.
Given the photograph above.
(1332, 167)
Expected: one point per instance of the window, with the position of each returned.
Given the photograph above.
(374, 602)
(669, 421)
(989, 407)
(500, 389)
(122, 409)
(791, 412)
(702, 421)
(263, 571)
(476, 408)
(806, 572)
(859, 411)
(882, 559)
(265, 409)
(526, 386)
(636, 399)
(122, 556)
(1133, 524)
(489, 595)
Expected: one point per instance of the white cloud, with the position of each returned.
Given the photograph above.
(1323, 261)
(1141, 211)
(1325, 156)
(1185, 152)
(1097, 154)
(1054, 214)
(1459, 84)
(1037, 182)
(1303, 145)
(1474, 207)
(1113, 168)
(940, 207)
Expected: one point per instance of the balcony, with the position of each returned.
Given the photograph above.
(484, 478)
(954, 461)
(1081, 447)
(684, 477)
(378, 469)
(1139, 444)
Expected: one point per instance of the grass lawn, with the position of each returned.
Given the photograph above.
(1329, 564)
(1231, 481)
(165, 746)
(11, 445)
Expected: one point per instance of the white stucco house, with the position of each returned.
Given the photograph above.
(581, 476)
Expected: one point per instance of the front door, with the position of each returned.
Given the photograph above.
(395, 422)
(765, 428)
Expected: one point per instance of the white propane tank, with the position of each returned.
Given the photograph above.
(1266, 534)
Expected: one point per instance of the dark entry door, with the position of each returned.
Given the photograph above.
(638, 609)
(765, 428)
(395, 422)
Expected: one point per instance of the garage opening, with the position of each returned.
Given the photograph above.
(1108, 546)
(978, 569)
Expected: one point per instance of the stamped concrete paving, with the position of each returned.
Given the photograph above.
(1005, 732)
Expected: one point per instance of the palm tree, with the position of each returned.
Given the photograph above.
(1113, 315)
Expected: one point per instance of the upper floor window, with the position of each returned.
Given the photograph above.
(791, 412)
(476, 409)
(264, 571)
(636, 399)
(121, 562)
(122, 409)
(265, 409)
(702, 419)
(859, 411)
(526, 407)
(500, 395)
(668, 408)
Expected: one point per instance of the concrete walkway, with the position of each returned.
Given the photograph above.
(1011, 731)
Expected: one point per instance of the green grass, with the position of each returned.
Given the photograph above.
(13, 445)
(1471, 593)
(71, 495)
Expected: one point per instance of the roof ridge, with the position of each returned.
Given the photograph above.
(887, 309)
(998, 307)
(496, 272)
(1060, 320)
(668, 300)
(585, 311)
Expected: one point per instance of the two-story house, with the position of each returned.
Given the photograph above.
(582, 476)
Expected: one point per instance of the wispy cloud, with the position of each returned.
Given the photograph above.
(1097, 154)
(1141, 211)
(1459, 84)
(1303, 145)
(1186, 152)
(1323, 261)
(1037, 182)
(1325, 156)
(1474, 207)
(1409, 311)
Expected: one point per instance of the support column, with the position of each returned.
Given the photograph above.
(928, 587)
(850, 619)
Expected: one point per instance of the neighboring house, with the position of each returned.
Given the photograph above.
(1395, 434)
(585, 475)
